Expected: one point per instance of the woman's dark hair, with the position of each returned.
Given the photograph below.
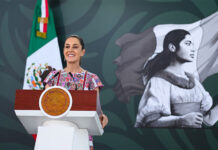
(163, 59)
(79, 38)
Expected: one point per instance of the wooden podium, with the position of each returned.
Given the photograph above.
(69, 132)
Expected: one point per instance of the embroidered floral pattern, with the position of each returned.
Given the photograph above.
(74, 81)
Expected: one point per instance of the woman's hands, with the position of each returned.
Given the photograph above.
(102, 117)
(104, 120)
(193, 119)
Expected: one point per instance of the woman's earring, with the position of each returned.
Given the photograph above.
(172, 47)
(64, 59)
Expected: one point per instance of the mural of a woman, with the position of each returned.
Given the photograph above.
(173, 97)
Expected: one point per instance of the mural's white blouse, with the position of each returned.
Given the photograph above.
(163, 98)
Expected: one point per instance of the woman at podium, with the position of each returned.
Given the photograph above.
(74, 77)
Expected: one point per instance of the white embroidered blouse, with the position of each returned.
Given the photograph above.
(166, 95)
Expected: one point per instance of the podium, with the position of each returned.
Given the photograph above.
(70, 131)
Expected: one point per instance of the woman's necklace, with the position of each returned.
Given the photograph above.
(80, 70)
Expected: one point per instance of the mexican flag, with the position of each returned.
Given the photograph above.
(43, 47)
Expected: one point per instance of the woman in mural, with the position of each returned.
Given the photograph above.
(173, 97)
(74, 77)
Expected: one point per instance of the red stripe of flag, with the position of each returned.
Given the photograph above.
(46, 15)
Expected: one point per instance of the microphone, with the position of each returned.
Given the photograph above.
(71, 75)
(56, 74)
(89, 88)
(73, 81)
